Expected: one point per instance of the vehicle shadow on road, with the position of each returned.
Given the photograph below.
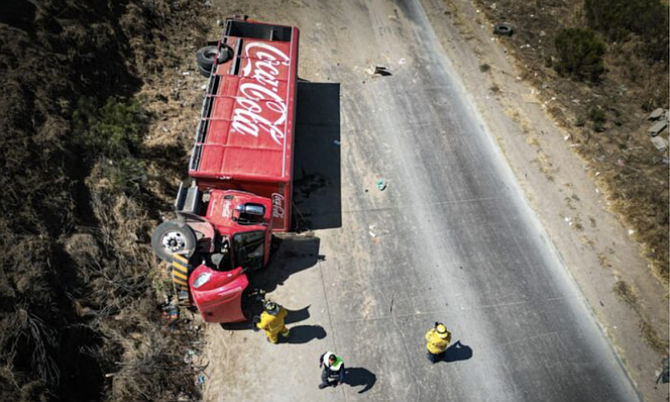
(295, 253)
(305, 333)
(357, 376)
(457, 352)
(317, 198)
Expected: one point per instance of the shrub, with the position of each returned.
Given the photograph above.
(617, 19)
(598, 117)
(580, 54)
(113, 131)
(112, 134)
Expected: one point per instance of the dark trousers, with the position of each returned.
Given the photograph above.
(327, 381)
(434, 358)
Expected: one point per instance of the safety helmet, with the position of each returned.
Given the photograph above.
(441, 330)
(271, 307)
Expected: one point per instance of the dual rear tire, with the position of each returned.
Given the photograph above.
(209, 56)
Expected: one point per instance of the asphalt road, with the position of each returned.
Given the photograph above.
(450, 239)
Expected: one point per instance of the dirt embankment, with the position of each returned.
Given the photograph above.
(607, 117)
(81, 192)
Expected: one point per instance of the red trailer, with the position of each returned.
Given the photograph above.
(240, 166)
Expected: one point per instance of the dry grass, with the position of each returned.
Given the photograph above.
(626, 293)
(80, 320)
(631, 172)
(652, 338)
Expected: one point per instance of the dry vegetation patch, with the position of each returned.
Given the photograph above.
(79, 318)
(604, 97)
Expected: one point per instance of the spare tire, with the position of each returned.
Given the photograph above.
(503, 29)
(203, 72)
(173, 238)
(205, 57)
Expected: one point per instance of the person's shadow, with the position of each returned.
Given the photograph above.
(305, 333)
(457, 352)
(355, 376)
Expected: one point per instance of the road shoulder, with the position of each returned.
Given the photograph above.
(630, 305)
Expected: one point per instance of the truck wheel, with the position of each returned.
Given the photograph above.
(203, 72)
(173, 237)
(205, 57)
(503, 29)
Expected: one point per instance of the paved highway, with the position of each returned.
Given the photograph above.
(450, 239)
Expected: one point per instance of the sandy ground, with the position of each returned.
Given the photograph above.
(591, 242)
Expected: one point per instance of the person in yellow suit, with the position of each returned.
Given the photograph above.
(272, 322)
(438, 339)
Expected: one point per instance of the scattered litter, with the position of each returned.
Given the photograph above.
(378, 70)
(660, 143)
(381, 185)
(170, 312)
(657, 128)
(202, 88)
(402, 61)
(656, 114)
(664, 376)
(597, 174)
(337, 142)
(186, 73)
(372, 234)
(189, 356)
(566, 138)
(201, 379)
(530, 98)
(631, 232)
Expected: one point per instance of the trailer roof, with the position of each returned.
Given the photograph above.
(246, 129)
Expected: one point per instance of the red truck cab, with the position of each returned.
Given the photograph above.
(240, 166)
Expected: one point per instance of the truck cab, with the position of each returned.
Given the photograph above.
(240, 168)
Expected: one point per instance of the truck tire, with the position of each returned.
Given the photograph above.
(205, 57)
(173, 238)
(208, 55)
(203, 72)
(503, 30)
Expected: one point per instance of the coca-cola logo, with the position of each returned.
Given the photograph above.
(277, 205)
(260, 108)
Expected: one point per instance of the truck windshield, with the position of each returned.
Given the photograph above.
(249, 248)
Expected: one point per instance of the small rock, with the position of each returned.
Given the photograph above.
(660, 143)
(657, 128)
(656, 114)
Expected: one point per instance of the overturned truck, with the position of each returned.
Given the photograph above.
(240, 169)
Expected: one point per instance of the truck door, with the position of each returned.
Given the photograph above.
(249, 248)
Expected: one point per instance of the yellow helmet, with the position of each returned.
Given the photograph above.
(271, 307)
(441, 329)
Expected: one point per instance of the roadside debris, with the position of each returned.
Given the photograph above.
(337, 142)
(660, 143)
(381, 185)
(656, 114)
(654, 130)
(503, 29)
(378, 70)
(664, 376)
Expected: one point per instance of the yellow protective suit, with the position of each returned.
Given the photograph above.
(437, 343)
(273, 325)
